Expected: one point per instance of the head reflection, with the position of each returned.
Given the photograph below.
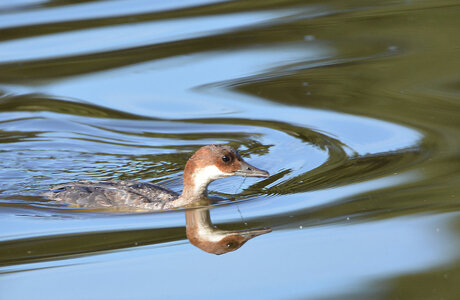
(202, 234)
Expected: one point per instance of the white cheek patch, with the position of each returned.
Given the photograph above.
(207, 174)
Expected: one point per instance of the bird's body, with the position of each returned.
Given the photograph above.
(206, 165)
(123, 195)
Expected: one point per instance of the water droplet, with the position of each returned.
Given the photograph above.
(300, 226)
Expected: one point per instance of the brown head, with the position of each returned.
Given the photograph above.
(213, 162)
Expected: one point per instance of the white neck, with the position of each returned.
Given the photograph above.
(197, 191)
(204, 176)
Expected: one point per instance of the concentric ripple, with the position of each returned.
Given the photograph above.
(352, 108)
(99, 143)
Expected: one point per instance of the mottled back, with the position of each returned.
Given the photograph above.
(123, 195)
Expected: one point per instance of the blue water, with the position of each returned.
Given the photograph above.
(352, 108)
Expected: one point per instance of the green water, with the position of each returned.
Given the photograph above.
(352, 106)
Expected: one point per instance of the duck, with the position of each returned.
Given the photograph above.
(207, 164)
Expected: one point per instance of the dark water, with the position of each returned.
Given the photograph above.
(353, 107)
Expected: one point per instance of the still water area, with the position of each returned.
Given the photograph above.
(352, 106)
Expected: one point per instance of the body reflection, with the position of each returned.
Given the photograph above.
(202, 233)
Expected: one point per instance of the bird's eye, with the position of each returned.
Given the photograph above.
(225, 158)
(229, 245)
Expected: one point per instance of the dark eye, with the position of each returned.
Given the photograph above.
(225, 158)
(229, 245)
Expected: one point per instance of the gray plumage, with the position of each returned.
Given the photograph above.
(130, 195)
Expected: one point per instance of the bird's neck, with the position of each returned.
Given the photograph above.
(196, 182)
(194, 193)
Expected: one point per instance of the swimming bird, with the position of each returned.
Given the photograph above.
(209, 163)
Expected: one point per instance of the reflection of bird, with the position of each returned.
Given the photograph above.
(201, 233)
(206, 165)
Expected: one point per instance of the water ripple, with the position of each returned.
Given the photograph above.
(352, 107)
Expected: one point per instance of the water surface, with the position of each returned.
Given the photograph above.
(352, 106)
